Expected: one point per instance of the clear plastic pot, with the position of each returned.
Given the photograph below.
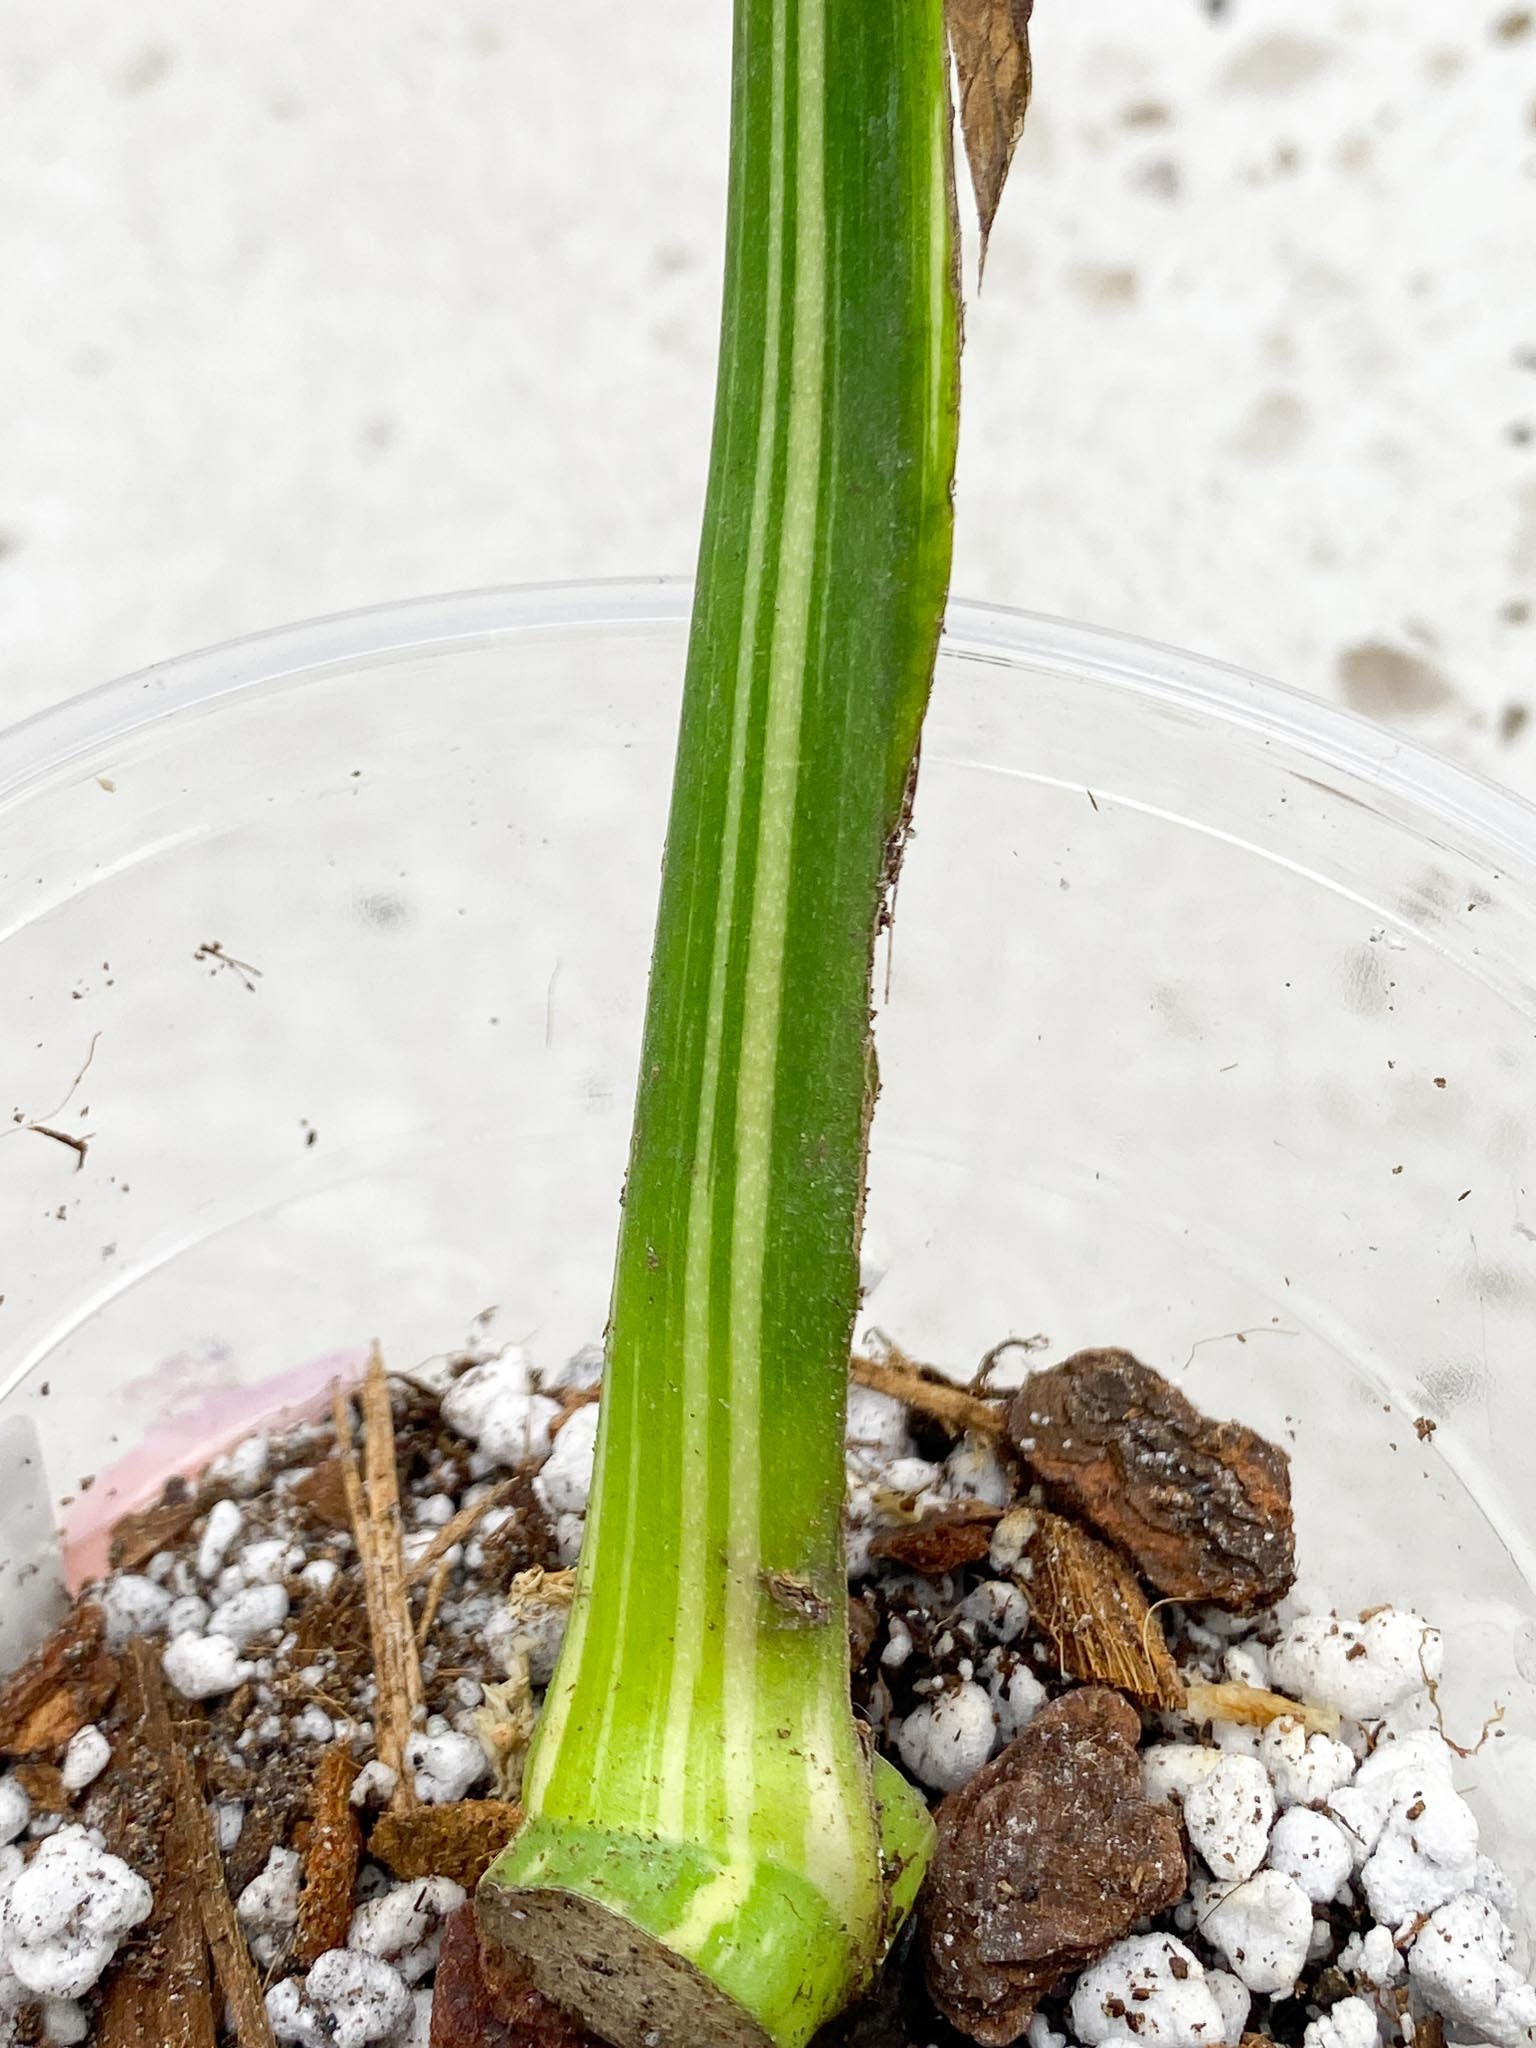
(1211, 1031)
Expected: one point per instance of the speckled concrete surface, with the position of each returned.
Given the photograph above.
(307, 307)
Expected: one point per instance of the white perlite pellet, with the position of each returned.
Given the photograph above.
(224, 1523)
(1352, 2023)
(1228, 1813)
(66, 1912)
(1312, 1849)
(446, 1766)
(1364, 1668)
(565, 1482)
(203, 1667)
(1161, 1982)
(1460, 1966)
(85, 1758)
(1264, 1929)
(404, 1926)
(133, 1606)
(944, 1742)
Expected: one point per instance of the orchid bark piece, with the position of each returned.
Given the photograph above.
(701, 1857)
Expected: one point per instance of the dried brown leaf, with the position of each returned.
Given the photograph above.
(1089, 1607)
(990, 40)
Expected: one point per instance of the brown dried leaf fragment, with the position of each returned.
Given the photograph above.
(1202, 1508)
(469, 2012)
(70, 1681)
(1089, 1607)
(330, 1862)
(137, 1537)
(1044, 1859)
(942, 1542)
(990, 39)
(460, 1841)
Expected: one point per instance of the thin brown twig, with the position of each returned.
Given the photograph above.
(373, 1504)
(463, 1524)
(213, 949)
(79, 1146)
(44, 1127)
(948, 1405)
(381, 1479)
(434, 1600)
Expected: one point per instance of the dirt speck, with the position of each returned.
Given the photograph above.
(1514, 25)
(1388, 682)
(1110, 285)
(1273, 427)
(1523, 555)
(1277, 64)
(145, 69)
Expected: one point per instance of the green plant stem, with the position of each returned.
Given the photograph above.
(697, 1768)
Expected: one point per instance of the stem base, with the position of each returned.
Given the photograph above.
(646, 1940)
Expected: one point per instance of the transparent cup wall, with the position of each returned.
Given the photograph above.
(1211, 1031)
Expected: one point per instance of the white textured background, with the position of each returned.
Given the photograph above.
(303, 306)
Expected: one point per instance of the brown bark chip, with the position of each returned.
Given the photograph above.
(196, 1853)
(160, 1991)
(70, 1682)
(1045, 1859)
(1088, 1605)
(330, 1862)
(941, 1543)
(138, 1536)
(1202, 1508)
(460, 1841)
(468, 2013)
